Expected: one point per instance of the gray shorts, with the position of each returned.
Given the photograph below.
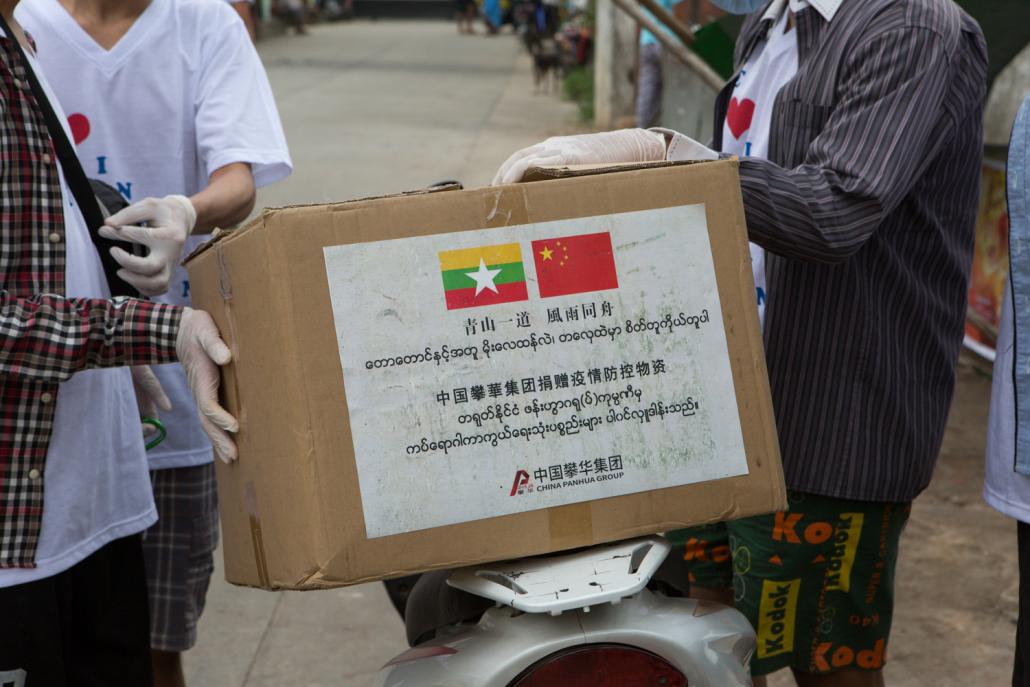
(178, 552)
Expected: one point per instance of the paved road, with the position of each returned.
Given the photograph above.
(369, 109)
(374, 108)
(377, 108)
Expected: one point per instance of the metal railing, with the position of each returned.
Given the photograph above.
(662, 23)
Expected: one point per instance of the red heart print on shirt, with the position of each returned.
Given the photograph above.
(79, 124)
(739, 116)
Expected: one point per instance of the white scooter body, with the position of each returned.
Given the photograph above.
(596, 596)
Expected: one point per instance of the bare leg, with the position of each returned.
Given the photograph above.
(167, 668)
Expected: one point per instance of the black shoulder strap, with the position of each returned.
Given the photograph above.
(74, 176)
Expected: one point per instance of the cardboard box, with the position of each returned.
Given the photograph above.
(420, 386)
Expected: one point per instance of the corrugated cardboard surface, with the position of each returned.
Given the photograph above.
(291, 508)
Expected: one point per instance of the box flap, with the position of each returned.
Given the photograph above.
(570, 171)
(220, 235)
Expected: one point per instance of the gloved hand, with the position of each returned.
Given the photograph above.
(625, 145)
(150, 396)
(684, 148)
(171, 220)
(201, 350)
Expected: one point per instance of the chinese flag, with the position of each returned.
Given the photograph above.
(575, 264)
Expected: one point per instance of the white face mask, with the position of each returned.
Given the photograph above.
(741, 6)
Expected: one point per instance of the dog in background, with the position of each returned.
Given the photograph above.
(547, 62)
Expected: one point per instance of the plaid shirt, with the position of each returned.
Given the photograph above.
(45, 337)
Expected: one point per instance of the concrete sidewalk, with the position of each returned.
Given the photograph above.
(369, 109)
(379, 107)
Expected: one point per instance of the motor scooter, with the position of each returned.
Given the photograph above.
(582, 619)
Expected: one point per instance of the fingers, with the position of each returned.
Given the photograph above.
(129, 234)
(216, 421)
(519, 169)
(143, 211)
(213, 345)
(503, 171)
(220, 416)
(225, 447)
(148, 286)
(148, 266)
(201, 351)
(512, 162)
(150, 396)
(147, 407)
(152, 389)
(150, 275)
(204, 380)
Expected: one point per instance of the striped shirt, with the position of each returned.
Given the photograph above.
(866, 206)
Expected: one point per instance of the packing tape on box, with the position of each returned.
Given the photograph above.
(229, 388)
(505, 207)
(224, 283)
(250, 498)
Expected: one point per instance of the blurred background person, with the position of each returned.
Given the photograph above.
(1007, 475)
(493, 16)
(465, 15)
(649, 76)
(294, 14)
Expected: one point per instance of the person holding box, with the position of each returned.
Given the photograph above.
(211, 141)
(74, 489)
(859, 128)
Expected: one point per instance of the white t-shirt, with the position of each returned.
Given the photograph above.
(182, 94)
(746, 131)
(96, 481)
(1004, 489)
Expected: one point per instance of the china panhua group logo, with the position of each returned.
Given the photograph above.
(521, 485)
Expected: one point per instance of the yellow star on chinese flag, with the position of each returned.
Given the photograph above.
(546, 253)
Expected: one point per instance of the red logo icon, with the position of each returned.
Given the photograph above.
(521, 483)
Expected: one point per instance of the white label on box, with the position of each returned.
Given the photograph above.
(505, 370)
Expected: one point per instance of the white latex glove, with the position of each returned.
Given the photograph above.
(150, 395)
(684, 147)
(625, 145)
(201, 350)
(170, 220)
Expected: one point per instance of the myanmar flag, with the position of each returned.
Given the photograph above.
(483, 276)
(575, 264)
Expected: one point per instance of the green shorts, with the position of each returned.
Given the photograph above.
(817, 582)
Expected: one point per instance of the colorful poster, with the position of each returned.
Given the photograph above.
(505, 370)
(989, 275)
